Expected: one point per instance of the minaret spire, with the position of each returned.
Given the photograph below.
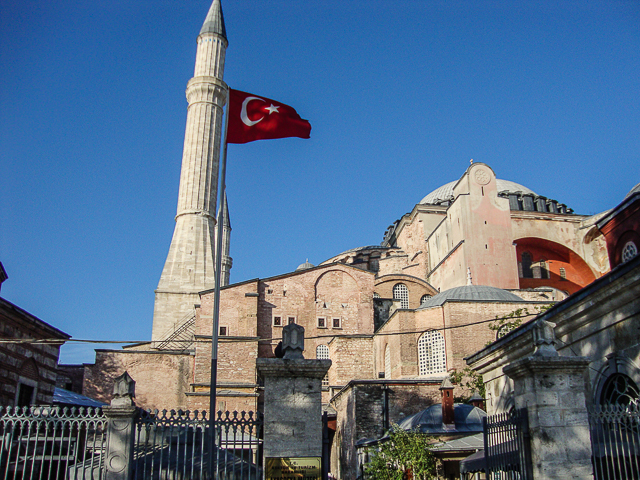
(227, 261)
(214, 23)
(189, 267)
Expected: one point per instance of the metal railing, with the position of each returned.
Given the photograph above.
(51, 443)
(615, 441)
(507, 447)
(173, 445)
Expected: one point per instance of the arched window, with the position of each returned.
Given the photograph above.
(431, 354)
(629, 251)
(322, 353)
(619, 389)
(424, 298)
(401, 292)
(544, 271)
(375, 295)
(387, 362)
(526, 265)
(563, 273)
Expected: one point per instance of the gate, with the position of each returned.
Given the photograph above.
(615, 441)
(51, 443)
(173, 445)
(506, 446)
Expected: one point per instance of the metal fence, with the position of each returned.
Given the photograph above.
(173, 445)
(615, 441)
(51, 443)
(507, 447)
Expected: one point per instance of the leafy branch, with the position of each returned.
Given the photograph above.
(403, 452)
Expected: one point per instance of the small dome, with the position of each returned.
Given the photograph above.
(304, 266)
(635, 189)
(467, 418)
(472, 293)
(445, 192)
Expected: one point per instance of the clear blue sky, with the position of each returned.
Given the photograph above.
(400, 94)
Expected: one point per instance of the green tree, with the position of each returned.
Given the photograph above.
(403, 452)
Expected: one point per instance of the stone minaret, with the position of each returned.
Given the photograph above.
(189, 268)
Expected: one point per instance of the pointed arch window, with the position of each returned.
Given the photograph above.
(401, 292)
(431, 354)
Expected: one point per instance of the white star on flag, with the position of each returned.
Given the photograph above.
(272, 108)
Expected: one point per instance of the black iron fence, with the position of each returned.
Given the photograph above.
(615, 441)
(506, 446)
(52, 443)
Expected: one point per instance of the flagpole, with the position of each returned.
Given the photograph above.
(216, 301)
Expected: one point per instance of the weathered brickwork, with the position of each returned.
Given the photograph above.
(162, 379)
(26, 366)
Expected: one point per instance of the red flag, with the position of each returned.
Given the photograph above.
(254, 118)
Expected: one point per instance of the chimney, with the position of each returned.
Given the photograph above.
(447, 403)
(476, 400)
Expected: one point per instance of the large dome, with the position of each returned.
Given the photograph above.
(445, 192)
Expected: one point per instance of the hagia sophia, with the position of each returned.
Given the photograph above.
(394, 318)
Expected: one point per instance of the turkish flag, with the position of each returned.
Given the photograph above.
(254, 118)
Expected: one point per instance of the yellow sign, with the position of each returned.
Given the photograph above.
(301, 468)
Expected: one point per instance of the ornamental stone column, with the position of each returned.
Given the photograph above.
(552, 388)
(120, 429)
(292, 399)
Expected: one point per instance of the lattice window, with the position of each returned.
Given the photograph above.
(619, 389)
(322, 353)
(375, 295)
(424, 298)
(401, 292)
(563, 273)
(387, 362)
(629, 251)
(431, 354)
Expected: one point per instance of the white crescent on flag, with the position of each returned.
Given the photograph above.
(243, 112)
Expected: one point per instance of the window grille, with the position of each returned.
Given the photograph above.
(375, 295)
(431, 354)
(424, 298)
(322, 353)
(277, 321)
(401, 292)
(619, 389)
(629, 251)
(563, 273)
(322, 322)
(337, 322)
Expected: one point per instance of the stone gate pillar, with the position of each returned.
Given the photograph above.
(552, 388)
(120, 429)
(292, 399)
